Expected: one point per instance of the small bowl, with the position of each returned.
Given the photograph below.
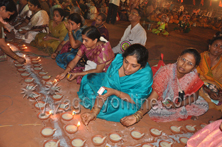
(29, 80)
(114, 141)
(34, 96)
(67, 116)
(21, 70)
(47, 129)
(155, 135)
(100, 137)
(37, 65)
(57, 97)
(189, 130)
(176, 132)
(35, 58)
(162, 141)
(51, 140)
(146, 144)
(37, 68)
(136, 132)
(77, 139)
(41, 103)
(202, 125)
(183, 142)
(46, 78)
(43, 117)
(25, 74)
(71, 131)
(43, 73)
(18, 65)
(35, 61)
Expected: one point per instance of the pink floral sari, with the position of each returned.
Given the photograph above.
(101, 54)
(165, 83)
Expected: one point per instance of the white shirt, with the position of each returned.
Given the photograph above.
(115, 2)
(135, 35)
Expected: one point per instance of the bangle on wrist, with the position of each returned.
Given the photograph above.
(69, 67)
(15, 57)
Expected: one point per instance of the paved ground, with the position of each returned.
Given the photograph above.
(20, 127)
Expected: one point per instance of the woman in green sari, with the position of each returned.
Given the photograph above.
(127, 82)
(49, 42)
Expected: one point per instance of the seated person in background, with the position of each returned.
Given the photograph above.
(57, 32)
(219, 33)
(99, 24)
(127, 81)
(38, 22)
(68, 48)
(98, 53)
(55, 5)
(7, 8)
(210, 70)
(134, 33)
(23, 12)
(161, 26)
(92, 11)
(45, 5)
(175, 92)
(184, 25)
(67, 5)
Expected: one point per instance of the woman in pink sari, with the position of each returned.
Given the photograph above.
(98, 53)
(209, 136)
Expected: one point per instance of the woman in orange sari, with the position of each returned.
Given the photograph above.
(211, 73)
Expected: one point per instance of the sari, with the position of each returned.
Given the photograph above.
(160, 29)
(185, 26)
(50, 46)
(67, 53)
(209, 136)
(103, 30)
(210, 75)
(136, 85)
(101, 54)
(166, 84)
(39, 20)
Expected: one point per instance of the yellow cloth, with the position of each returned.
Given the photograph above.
(51, 45)
(211, 75)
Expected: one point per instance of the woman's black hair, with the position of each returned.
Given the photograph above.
(61, 12)
(214, 39)
(9, 4)
(139, 12)
(103, 16)
(194, 52)
(139, 51)
(76, 18)
(35, 3)
(91, 32)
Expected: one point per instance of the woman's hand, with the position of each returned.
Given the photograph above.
(23, 31)
(61, 76)
(68, 26)
(128, 120)
(111, 91)
(87, 117)
(21, 60)
(47, 37)
(168, 104)
(54, 55)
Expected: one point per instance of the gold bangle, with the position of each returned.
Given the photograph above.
(141, 113)
(69, 67)
(70, 32)
(15, 57)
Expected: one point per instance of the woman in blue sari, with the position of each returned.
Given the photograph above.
(127, 82)
(68, 48)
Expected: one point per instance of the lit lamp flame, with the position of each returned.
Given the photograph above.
(73, 112)
(78, 124)
(23, 45)
(8, 44)
(55, 81)
(50, 112)
(24, 56)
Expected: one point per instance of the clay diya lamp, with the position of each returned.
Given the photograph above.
(155, 132)
(63, 106)
(37, 65)
(57, 97)
(43, 73)
(35, 58)
(136, 134)
(202, 125)
(34, 96)
(115, 137)
(51, 143)
(211, 121)
(43, 116)
(47, 131)
(46, 78)
(98, 140)
(35, 61)
(146, 144)
(77, 142)
(25, 74)
(175, 129)
(39, 105)
(37, 68)
(164, 143)
(183, 140)
(21, 70)
(71, 129)
(18, 65)
(67, 116)
(190, 128)
(29, 80)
